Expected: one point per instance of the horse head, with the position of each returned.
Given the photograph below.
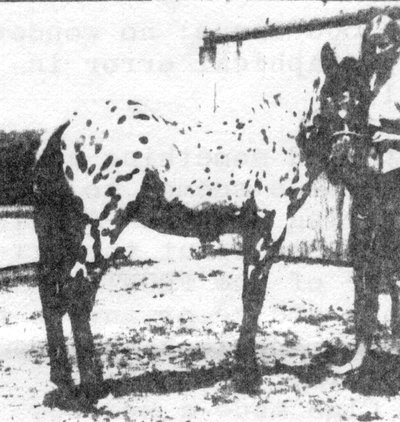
(345, 100)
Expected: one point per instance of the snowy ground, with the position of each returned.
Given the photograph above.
(178, 319)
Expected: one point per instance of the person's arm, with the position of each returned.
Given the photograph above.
(391, 140)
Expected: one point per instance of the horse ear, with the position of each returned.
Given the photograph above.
(328, 59)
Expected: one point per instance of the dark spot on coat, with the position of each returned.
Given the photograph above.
(179, 152)
(141, 116)
(193, 182)
(118, 163)
(88, 123)
(222, 157)
(265, 137)
(97, 178)
(296, 179)
(219, 147)
(284, 177)
(182, 131)
(131, 103)
(97, 148)
(106, 134)
(77, 146)
(316, 83)
(64, 145)
(107, 162)
(167, 166)
(209, 193)
(143, 140)
(112, 205)
(69, 173)
(154, 117)
(207, 170)
(239, 125)
(108, 102)
(258, 184)
(284, 151)
(310, 110)
(137, 154)
(276, 99)
(273, 147)
(111, 191)
(174, 190)
(294, 114)
(75, 113)
(92, 168)
(229, 198)
(246, 185)
(82, 161)
(232, 182)
(113, 109)
(212, 184)
(121, 119)
(127, 177)
(199, 145)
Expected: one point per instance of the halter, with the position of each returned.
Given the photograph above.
(347, 132)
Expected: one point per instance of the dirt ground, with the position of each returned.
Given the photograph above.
(167, 332)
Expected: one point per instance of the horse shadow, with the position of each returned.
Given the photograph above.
(378, 376)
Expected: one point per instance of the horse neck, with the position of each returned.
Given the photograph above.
(313, 138)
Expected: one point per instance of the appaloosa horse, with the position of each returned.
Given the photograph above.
(249, 175)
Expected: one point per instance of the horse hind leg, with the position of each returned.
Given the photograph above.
(50, 277)
(60, 368)
(84, 280)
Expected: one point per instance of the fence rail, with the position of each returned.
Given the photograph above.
(211, 39)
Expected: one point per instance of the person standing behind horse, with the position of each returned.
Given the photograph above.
(380, 51)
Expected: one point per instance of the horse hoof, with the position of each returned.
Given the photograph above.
(247, 381)
(61, 399)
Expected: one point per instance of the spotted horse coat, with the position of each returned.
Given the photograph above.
(98, 172)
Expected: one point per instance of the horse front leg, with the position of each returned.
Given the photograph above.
(258, 258)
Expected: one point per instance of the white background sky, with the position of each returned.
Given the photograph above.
(58, 57)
